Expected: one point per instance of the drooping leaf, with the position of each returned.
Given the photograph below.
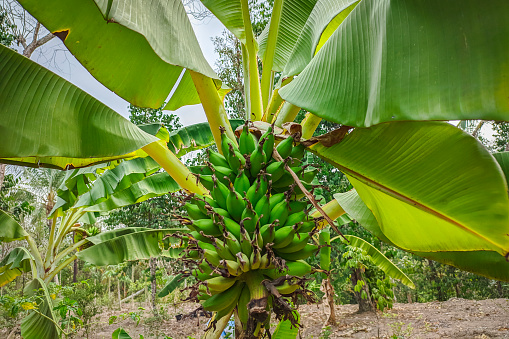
(395, 60)
(34, 325)
(430, 186)
(229, 12)
(489, 264)
(153, 186)
(108, 235)
(14, 264)
(132, 246)
(300, 29)
(51, 123)
(127, 45)
(172, 284)
(185, 94)
(10, 230)
(503, 160)
(117, 179)
(194, 137)
(380, 260)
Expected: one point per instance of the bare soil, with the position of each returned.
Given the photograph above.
(455, 318)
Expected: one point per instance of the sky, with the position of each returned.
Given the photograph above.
(56, 58)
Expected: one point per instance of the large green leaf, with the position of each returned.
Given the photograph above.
(430, 186)
(380, 260)
(153, 186)
(10, 230)
(486, 263)
(14, 264)
(50, 122)
(105, 236)
(195, 137)
(325, 17)
(172, 284)
(396, 60)
(34, 325)
(503, 160)
(285, 330)
(127, 45)
(132, 246)
(300, 29)
(229, 12)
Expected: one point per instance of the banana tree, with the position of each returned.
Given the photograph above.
(386, 71)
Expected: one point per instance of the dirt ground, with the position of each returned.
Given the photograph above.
(455, 318)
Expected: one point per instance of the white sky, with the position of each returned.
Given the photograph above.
(53, 57)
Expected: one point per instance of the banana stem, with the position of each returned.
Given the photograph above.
(254, 76)
(332, 209)
(268, 60)
(287, 113)
(175, 168)
(39, 264)
(59, 268)
(247, 93)
(309, 125)
(47, 259)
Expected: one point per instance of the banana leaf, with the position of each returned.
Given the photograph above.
(503, 160)
(430, 186)
(397, 60)
(285, 330)
(35, 325)
(132, 246)
(10, 230)
(14, 264)
(300, 29)
(127, 45)
(380, 260)
(120, 333)
(172, 284)
(51, 123)
(229, 12)
(489, 264)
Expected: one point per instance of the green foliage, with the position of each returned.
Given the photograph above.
(139, 116)
(6, 29)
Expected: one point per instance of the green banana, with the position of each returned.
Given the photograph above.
(279, 212)
(268, 145)
(242, 311)
(225, 142)
(287, 179)
(262, 209)
(220, 192)
(217, 159)
(222, 250)
(297, 206)
(194, 211)
(298, 151)
(283, 237)
(207, 226)
(275, 199)
(276, 170)
(212, 257)
(285, 147)
(220, 284)
(308, 176)
(296, 218)
(243, 260)
(257, 159)
(245, 242)
(241, 183)
(307, 226)
(257, 190)
(235, 204)
(255, 260)
(267, 233)
(232, 227)
(249, 218)
(247, 141)
(206, 181)
(307, 251)
(299, 242)
(232, 266)
(286, 288)
(233, 243)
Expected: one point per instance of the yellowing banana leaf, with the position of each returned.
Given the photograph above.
(10, 230)
(127, 45)
(172, 284)
(131, 246)
(300, 29)
(489, 264)
(185, 94)
(35, 325)
(430, 186)
(503, 160)
(395, 60)
(380, 260)
(229, 12)
(46, 121)
(14, 264)
(153, 186)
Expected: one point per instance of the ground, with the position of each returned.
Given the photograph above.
(455, 318)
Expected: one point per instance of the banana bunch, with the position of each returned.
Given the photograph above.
(252, 227)
(82, 233)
